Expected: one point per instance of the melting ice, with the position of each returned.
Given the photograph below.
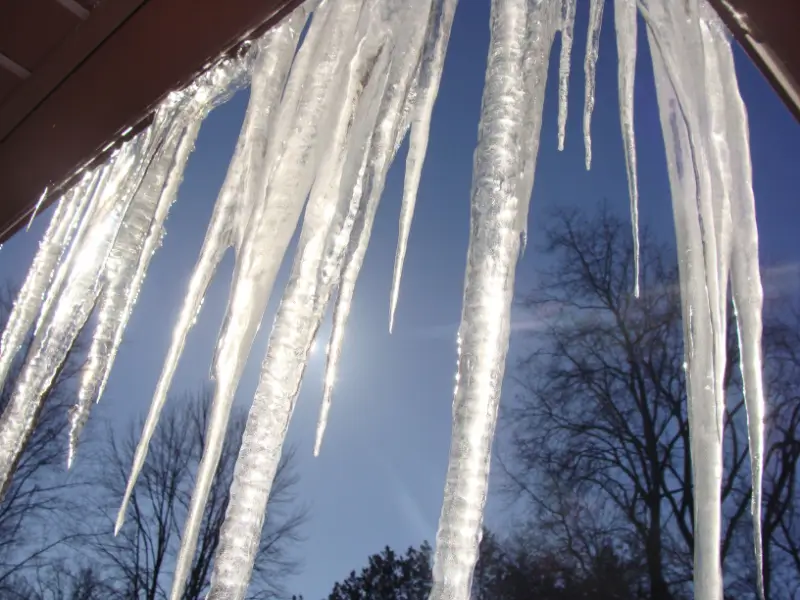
(322, 128)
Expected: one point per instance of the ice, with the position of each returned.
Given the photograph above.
(51, 248)
(540, 33)
(626, 29)
(127, 265)
(63, 317)
(272, 64)
(488, 291)
(589, 68)
(430, 76)
(567, 29)
(322, 127)
(745, 272)
(710, 181)
(390, 128)
(327, 227)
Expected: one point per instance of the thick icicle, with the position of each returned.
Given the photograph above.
(327, 227)
(676, 46)
(142, 232)
(51, 249)
(270, 71)
(71, 303)
(626, 26)
(440, 23)
(589, 69)
(389, 132)
(541, 28)
(275, 219)
(567, 29)
(703, 405)
(746, 287)
(488, 290)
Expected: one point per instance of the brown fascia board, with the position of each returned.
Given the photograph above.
(106, 79)
(767, 31)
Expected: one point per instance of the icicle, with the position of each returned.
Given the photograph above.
(51, 249)
(326, 229)
(688, 119)
(626, 26)
(346, 270)
(390, 128)
(488, 291)
(567, 28)
(70, 306)
(274, 219)
(275, 55)
(745, 272)
(143, 229)
(541, 29)
(441, 21)
(37, 207)
(589, 67)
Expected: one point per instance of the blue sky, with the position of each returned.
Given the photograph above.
(380, 477)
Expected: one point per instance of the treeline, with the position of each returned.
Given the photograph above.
(509, 570)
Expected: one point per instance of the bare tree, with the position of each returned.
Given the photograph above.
(140, 560)
(40, 495)
(61, 580)
(599, 428)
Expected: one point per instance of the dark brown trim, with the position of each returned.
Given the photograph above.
(160, 46)
(86, 38)
(767, 30)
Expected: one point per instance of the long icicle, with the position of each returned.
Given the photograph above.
(275, 216)
(626, 26)
(267, 88)
(541, 29)
(254, 275)
(590, 69)
(567, 36)
(51, 249)
(323, 239)
(748, 295)
(441, 22)
(390, 130)
(127, 269)
(683, 118)
(488, 290)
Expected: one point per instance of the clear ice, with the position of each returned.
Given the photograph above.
(323, 125)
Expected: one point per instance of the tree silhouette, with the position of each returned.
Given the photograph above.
(389, 576)
(514, 569)
(599, 429)
(41, 495)
(139, 561)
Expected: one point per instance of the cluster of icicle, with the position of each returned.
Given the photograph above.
(322, 127)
